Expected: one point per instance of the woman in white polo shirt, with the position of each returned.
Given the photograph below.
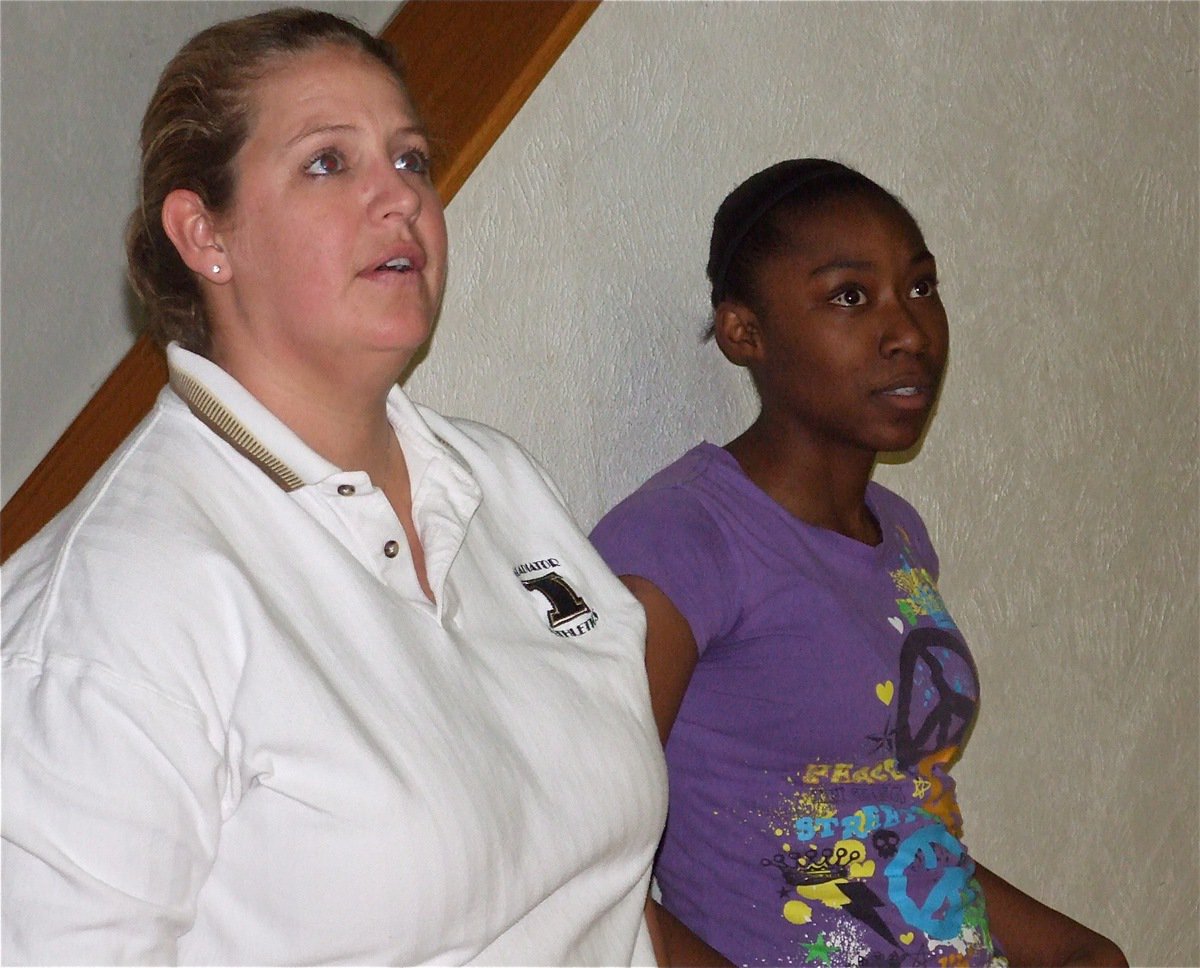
(308, 673)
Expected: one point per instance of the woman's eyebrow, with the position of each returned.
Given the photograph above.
(839, 264)
(835, 265)
(310, 130)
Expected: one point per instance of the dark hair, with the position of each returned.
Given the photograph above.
(196, 122)
(752, 221)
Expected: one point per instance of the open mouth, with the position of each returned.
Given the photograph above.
(913, 397)
(399, 264)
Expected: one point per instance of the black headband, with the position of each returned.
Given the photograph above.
(795, 175)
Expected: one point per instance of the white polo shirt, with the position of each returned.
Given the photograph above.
(235, 731)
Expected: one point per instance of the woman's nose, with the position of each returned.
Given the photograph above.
(397, 193)
(904, 330)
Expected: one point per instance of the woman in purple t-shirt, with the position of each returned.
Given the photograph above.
(809, 683)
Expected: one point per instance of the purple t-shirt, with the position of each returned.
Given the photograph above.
(812, 817)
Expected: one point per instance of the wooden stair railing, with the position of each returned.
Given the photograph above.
(471, 64)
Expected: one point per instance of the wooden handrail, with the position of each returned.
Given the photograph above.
(471, 64)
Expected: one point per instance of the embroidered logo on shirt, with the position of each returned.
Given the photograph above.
(569, 615)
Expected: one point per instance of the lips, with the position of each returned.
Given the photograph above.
(907, 383)
(908, 391)
(400, 260)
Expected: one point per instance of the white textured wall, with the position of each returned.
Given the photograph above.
(74, 81)
(1051, 153)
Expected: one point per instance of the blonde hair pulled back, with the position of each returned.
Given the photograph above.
(196, 122)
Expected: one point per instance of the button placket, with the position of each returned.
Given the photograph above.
(377, 540)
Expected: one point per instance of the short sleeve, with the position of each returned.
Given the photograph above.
(111, 816)
(888, 505)
(114, 773)
(667, 536)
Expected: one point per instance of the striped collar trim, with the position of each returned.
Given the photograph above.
(237, 417)
(232, 412)
(212, 412)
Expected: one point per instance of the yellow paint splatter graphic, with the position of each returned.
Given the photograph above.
(805, 802)
(797, 912)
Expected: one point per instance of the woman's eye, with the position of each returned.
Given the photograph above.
(415, 161)
(923, 289)
(326, 163)
(850, 298)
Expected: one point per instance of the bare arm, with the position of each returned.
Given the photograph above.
(671, 656)
(671, 652)
(675, 946)
(1032, 933)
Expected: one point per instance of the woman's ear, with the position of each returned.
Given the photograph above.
(191, 229)
(737, 332)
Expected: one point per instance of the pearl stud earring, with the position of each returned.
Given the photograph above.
(216, 269)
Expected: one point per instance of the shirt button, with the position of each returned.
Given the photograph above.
(391, 549)
(346, 490)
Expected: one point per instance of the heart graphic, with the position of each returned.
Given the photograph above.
(895, 623)
(906, 938)
(884, 691)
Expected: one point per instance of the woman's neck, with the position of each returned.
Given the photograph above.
(822, 484)
(338, 408)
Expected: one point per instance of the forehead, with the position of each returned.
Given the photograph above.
(852, 220)
(329, 77)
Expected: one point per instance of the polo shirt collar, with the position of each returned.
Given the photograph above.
(236, 415)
